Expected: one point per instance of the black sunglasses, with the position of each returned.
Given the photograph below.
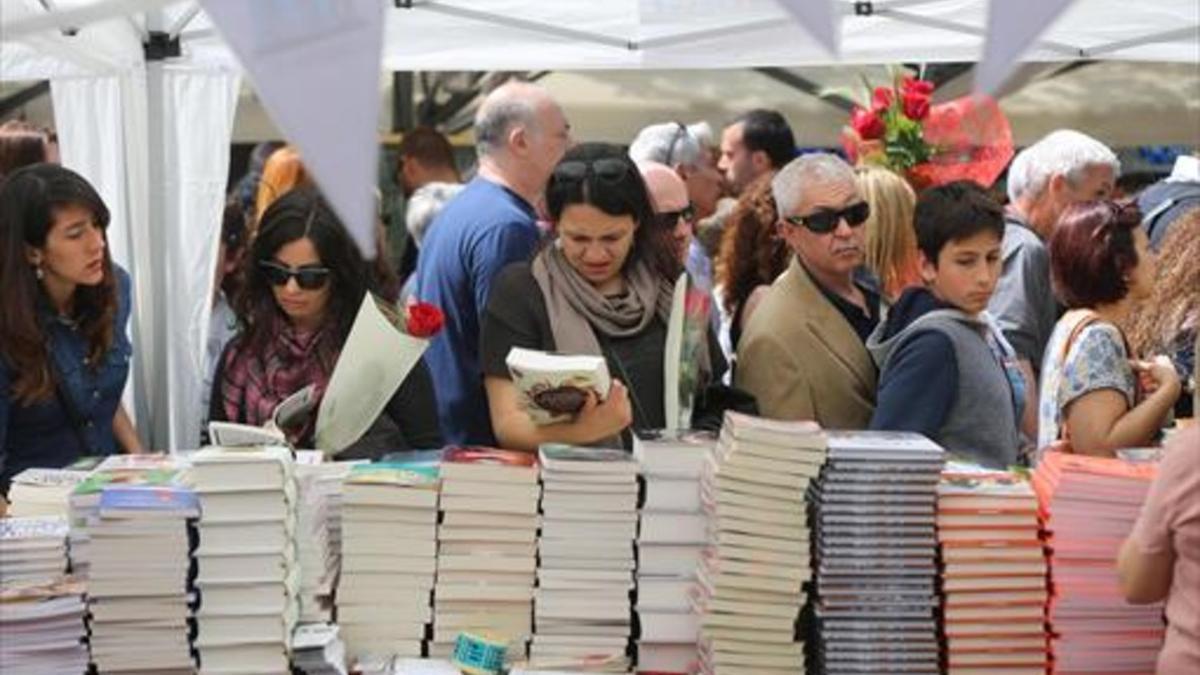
(308, 278)
(608, 169)
(826, 220)
(669, 219)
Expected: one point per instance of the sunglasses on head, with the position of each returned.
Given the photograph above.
(680, 133)
(307, 278)
(608, 169)
(826, 220)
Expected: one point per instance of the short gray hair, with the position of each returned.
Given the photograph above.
(1064, 152)
(496, 117)
(670, 143)
(1017, 182)
(816, 168)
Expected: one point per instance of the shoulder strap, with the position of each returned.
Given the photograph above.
(1087, 320)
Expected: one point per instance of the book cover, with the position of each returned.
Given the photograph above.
(398, 474)
(554, 387)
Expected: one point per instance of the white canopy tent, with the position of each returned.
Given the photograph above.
(153, 135)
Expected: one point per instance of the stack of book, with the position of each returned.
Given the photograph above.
(318, 487)
(32, 549)
(84, 502)
(389, 558)
(41, 624)
(1088, 506)
(672, 534)
(993, 571)
(487, 543)
(750, 586)
(246, 561)
(139, 588)
(318, 650)
(874, 515)
(586, 559)
(43, 492)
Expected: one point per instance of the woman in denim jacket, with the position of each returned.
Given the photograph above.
(64, 353)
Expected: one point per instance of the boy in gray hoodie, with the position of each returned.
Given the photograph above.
(946, 371)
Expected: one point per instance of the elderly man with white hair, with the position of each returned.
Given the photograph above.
(520, 135)
(1061, 169)
(802, 353)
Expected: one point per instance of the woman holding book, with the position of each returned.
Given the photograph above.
(601, 286)
(64, 352)
(305, 281)
(1093, 395)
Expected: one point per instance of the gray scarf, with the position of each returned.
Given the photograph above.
(578, 311)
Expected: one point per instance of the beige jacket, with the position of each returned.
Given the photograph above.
(802, 360)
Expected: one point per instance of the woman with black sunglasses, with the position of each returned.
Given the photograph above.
(304, 283)
(602, 285)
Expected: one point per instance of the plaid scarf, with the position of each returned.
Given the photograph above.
(253, 384)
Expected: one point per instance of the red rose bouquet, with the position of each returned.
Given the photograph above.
(900, 129)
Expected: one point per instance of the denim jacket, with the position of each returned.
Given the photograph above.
(43, 434)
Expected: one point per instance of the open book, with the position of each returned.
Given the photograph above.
(291, 412)
(554, 387)
(374, 361)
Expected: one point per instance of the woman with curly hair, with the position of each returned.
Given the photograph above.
(891, 238)
(751, 256)
(1168, 322)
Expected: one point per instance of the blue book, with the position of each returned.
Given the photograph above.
(159, 499)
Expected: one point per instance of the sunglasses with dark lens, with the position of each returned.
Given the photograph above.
(670, 219)
(826, 220)
(307, 278)
(608, 169)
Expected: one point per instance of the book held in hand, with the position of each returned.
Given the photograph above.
(554, 387)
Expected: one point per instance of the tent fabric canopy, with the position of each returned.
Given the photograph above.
(148, 134)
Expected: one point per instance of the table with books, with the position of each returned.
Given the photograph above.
(769, 548)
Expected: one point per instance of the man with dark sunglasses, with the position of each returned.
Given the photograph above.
(521, 133)
(802, 353)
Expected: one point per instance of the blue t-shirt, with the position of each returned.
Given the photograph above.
(484, 228)
(43, 434)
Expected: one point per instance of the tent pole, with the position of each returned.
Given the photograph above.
(952, 26)
(525, 24)
(1188, 33)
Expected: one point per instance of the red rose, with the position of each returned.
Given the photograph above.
(882, 99)
(912, 85)
(867, 124)
(423, 320)
(915, 96)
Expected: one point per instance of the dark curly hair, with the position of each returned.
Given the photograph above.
(751, 254)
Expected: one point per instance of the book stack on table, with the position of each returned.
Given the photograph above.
(876, 551)
(41, 621)
(672, 534)
(139, 590)
(993, 572)
(389, 557)
(247, 573)
(43, 492)
(487, 548)
(751, 582)
(1088, 506)
(582, 603)
(33, 549)
(319, 488)
(84, 502)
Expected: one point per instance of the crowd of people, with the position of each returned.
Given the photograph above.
(1064, 319)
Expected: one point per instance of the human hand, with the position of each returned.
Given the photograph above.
(1157, 373)
(608, 417)
(3, 507)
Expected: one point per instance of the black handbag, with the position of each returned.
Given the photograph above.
(708, 411)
